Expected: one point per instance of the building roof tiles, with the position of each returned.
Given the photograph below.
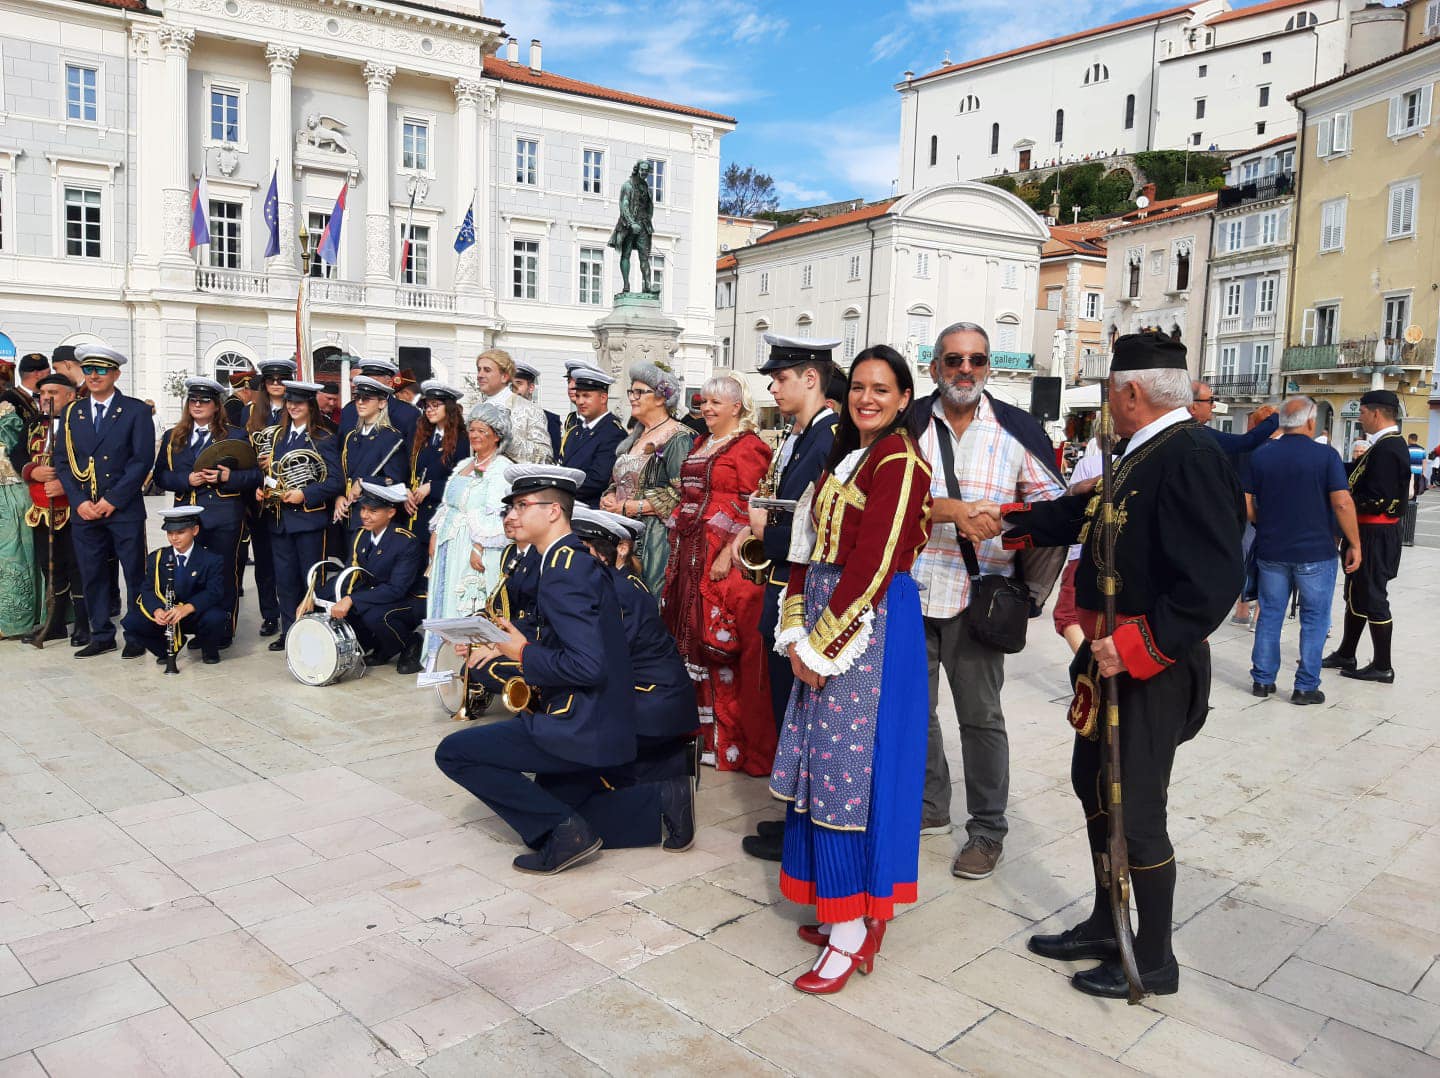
(497, 67)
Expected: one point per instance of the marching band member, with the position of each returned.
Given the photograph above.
(386, 602)
(373, 448)
(400, 414)
(219, 491)
(440, 443)
(666, 718)
(192, 578)
(265, 410)
(49, 512)
(580, 719)
(591, 444)
(107, 446)
(242, 392)
(296, 517)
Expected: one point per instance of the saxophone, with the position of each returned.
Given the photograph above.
(752, 551)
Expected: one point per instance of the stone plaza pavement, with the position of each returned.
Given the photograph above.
(228, 872)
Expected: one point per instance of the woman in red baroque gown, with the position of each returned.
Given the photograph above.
(710, 606)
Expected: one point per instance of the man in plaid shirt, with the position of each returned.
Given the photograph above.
(1001, 454)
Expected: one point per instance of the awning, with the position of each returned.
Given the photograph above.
(1081, 398)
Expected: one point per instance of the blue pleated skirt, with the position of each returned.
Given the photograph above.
(847, 874)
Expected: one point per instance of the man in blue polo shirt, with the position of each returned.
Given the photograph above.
(1298, 498)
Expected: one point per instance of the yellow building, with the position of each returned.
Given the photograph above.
(1366, 295)
(1071, 286)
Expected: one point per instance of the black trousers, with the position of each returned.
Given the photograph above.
(96, 543)
(225, 541)
(387, 630)
(781, 676)
(69, 592)
(492, 762)
(293, 554)
(210, 627)
(264, 559)
(1367, 588)
(626, 817)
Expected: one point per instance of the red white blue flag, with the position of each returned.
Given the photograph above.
(330, 238)
(200, 214)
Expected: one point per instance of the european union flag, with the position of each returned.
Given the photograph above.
(466, 239)
(272, 215)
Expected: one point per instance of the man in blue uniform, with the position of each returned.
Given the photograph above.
(221, 490)
(107, 442)
(581, 716)
(401, 415)
(191, 577)
(590, 446)
(385, 603)
(526, 379)
(800, 371)
(665, 714)
(266, 408)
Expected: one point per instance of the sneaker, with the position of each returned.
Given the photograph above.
(677, 812)
(569, 844)
(935, 827)
(977, 858)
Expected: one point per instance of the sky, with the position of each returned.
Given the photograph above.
(811, 82)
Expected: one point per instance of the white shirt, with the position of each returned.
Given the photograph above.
(98, 403)
(1392, 428)
(375, 537)
(1154, 427)
(787, 447)
(591, 423)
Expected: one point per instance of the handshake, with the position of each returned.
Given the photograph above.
(976, 521)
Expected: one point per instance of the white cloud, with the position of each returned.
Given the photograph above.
(756, 27)
(890, 44)
(850, 154)
(794, 194)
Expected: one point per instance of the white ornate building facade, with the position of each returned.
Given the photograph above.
(110, 110)
(892, 272)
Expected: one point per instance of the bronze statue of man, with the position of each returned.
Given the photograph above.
(635, 227)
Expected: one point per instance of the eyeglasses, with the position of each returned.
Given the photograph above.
(89, 369)
(952, 361)
(516, 507)
(636, 394)
(1204, 400)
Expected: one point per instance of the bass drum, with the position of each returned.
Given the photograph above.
(321, 650)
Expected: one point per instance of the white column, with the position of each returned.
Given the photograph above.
(704, 197)
(282, 59)
(149, 174)
(467, 123)
(377, 180)
(176, 42)
(484, 171)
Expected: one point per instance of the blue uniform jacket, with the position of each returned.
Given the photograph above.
(361, 456)
(314, 514)
(432, 465)
(403, 417)
(394, 571)
(664, 693)
(592, 451)
(275, 414)
(812, 449)
(552, 423)
(110, 463)
(224, 503)
(202, 583)
(580, 663)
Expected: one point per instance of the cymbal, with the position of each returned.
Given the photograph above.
(231, 452)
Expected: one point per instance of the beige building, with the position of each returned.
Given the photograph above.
(732, 232)
(1071, 286)
(1364, 305)
(1155, 274)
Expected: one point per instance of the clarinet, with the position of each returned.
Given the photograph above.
(171, 633)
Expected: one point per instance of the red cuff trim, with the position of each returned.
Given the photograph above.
(1017, 542)
(1137, 649)
(1014, 507)
(848, 907)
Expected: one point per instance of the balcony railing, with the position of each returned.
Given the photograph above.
(1358, 354)
(1266, 187)
(1231, 324)
(1012, 361)
(1256, 323)
(1094, 367)
(350, 293)
(424, 299)
(1240, 385)
(231, 282)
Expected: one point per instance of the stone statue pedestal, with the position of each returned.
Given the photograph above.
(636, 329)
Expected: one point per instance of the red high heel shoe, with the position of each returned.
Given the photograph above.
(812, 935)
(862, 959)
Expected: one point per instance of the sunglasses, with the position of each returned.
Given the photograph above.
(954, 362)
(90, 368)
(199, 400)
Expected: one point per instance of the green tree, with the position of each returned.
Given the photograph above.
(746, 191)
(1176, 172)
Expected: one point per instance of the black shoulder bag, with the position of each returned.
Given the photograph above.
(999, 608)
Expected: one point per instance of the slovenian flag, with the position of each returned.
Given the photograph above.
(330, 238)
(272, 215)
(200, 214)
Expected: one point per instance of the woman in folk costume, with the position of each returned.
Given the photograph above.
(21, 586)
(711, 607)
(646, 480)
(851, 758)
(467, 533)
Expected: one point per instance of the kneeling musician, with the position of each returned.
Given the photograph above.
(182, 593)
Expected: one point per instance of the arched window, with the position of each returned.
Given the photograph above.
(1302, 21)
(968, 103)
(1007, 332)
(228, 363)
(934, 149)
(994, 139)
(804, 322)
(850, 333)
(1129, 112)
(1059, 126)
(1096, 73)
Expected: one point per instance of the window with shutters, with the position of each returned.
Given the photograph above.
(765, 283)
(807, 275)
(1009, 275)
(1265, 296)
(1229, 360)
(762, 349)
(1326, 329)
(1332, 225)
(1231, 306)
(1052, 299)
(1260, 361)
(1092, 306)
(1400, 220)
(1007, 335)
(1134, 258)
(849, 335)
(854, 267)
(1394, 320)
(1410, 112)
(922, 264)
(1432, 18)
(727, 361)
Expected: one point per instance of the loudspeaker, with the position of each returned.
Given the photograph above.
(1045, 398)
(416, 361)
